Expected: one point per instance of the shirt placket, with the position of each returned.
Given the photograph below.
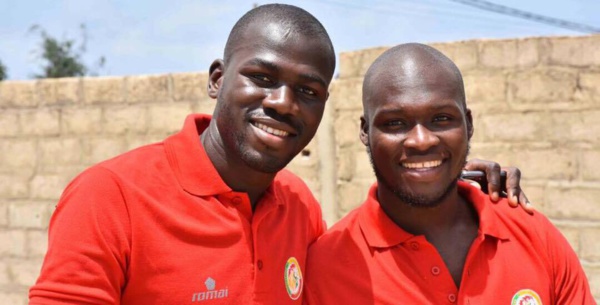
(262, 280)
(472, 263)
(433, 270)
(241, 203)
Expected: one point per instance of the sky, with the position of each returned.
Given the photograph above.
(155, 37)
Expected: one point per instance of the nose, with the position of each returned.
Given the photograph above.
(421, 138)
(282, 100)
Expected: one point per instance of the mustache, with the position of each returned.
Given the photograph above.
(274, 115)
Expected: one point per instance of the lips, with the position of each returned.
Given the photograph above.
(424, 170)
(422, 165)
(271, 130)
(276, 135)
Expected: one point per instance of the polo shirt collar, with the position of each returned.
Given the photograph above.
(489, 216)
(381, 232)
(190, 162)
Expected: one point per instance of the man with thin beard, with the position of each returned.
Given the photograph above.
(422, 236)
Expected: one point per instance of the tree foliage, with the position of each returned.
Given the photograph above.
(63, 58)
(3, 74)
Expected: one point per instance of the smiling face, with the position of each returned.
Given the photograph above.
(271, 95)
(416, 126)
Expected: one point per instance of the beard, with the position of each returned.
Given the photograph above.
(235, 140)
(429, 200)
(257, 161)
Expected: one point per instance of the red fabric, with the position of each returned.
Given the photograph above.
(157, 225)
(368, 259)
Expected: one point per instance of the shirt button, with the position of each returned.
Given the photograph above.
(259, 264)
(452, 298)
(414, 245)
(435, 270)
(236, 200)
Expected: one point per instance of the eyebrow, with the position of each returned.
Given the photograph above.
(263, 63)
(311, 77)
(436, 107)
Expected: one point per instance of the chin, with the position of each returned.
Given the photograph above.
(264, 163)
(425, 200)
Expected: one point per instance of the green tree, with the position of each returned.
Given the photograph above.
(62, 58)
(3, 69)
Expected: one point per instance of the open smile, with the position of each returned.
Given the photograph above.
(421, 165)
(424, 170)
(271, 130)
(274, 134)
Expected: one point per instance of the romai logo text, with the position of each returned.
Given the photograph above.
(211, 293)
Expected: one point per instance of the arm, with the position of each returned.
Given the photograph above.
(571, 285)
(88, 244)
(513, 190)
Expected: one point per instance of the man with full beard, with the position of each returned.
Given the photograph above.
(423, 236)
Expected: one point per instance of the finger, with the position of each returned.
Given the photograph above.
(476, 165)
(526, 204)
(513, 180)
(513, 198)
(492, 172)
(473, 183)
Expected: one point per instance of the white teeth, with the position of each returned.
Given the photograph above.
(271, 130)
(428, 164)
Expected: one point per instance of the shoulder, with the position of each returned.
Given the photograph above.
(340, 253)
(504, 220)
(287, 178)
(524, 230)
(140, 159)
(518, 222)
(337, 241)
(288, 184)
(298, 201)
(109, 177)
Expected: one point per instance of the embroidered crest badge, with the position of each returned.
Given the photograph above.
(526, 297)
(293, 278)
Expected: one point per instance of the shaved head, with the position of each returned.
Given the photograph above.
(415, 117)
(283, 18)
(407, 65)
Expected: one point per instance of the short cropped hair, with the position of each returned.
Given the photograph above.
(292, 17)
(408, 50)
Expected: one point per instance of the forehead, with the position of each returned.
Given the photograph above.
(411, 84)
(282, 46)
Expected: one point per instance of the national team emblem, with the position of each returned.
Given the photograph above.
(526, 297)
(293, 278)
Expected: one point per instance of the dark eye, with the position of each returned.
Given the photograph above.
(442, 118)
(307, 91)
(394, 123)
(262, 78)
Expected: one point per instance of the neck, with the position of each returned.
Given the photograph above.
(234, 172)
(450, 227)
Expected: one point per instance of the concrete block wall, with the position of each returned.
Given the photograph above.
(534, 101)
(535, 104)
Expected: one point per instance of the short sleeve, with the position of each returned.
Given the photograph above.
(570, 282)
(88, 243)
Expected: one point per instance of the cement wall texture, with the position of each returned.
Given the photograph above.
(535, 102)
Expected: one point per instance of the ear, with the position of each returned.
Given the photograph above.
(470, 128)
(215, 77)
(364, 131)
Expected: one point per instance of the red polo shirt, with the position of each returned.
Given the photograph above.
(157, 225)
(367, 259)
